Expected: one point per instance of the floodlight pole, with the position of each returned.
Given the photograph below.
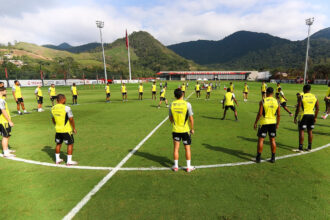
(309, 23)
(100, 25)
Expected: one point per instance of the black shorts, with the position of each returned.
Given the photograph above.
(264, 129)
(5, 130)
(185, 137)
(263, 93)
(64, 137)
(40, 99)
(124, 93)
(283, 104)
(231, 107)
(183, 91)
(208, 93)
(52, 98)
(108, 95)
(154, 93)
(277, 94)
(140, 93)
(246, 93)
(307, 121)
(162, 99)
(75, 96)
(19, 100)
(198, 92)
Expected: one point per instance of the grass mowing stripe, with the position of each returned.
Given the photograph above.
(96, 188)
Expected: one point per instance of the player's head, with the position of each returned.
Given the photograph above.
(73, 84)
(178, 93)
(278, 83)
(269, 91)
(123, 84)
(228, 90)
(61, 99)
(307, 88)
(141, 84)
(2, 84)
(245, 83)
(16, 82)
(39, 86)
(154, 82)
(3, 91)
(280, 89)
(52, 85)
(263, 82)
(231, 83)
(197, 82)
(107, 83)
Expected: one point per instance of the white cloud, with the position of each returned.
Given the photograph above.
(170, 22)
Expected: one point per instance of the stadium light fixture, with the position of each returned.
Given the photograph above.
(100, 25)
(309, 23)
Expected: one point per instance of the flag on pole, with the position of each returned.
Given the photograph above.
(126, 40)
(6, 73)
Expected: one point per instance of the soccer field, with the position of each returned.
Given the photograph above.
(140, 185)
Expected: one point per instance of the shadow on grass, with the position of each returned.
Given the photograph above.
(278, 144)
(236, 153)
(208, 117)
(322, 125)
(164, 161)
(314, 132)
(51, 152)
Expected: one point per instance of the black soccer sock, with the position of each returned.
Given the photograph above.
(273, 156)
(309, 146)
(300, 146)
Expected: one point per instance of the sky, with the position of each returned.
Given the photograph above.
(170, 21)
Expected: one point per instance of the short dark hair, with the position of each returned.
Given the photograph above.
(307, 88)
(270, 90)
(73, 84)
(15, 81)
(228, 90)
(178, 93)
(298, 94)
(280, 89)
(60, 97)
(2, 89)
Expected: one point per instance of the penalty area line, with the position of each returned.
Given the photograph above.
(96, 188)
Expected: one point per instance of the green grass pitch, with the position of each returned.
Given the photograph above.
(292, 188)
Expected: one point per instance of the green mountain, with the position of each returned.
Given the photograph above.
(148, 56)
(74, 49)
(322, 34)
(250, 50)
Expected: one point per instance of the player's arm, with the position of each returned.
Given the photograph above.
(236, 101)
(297, 110)
(14, 95)
(71, 120)
(6, 116)
(259, 114)
(53, 120)
(317, 108)
(191, 120)
(223, 102)
(278, 116)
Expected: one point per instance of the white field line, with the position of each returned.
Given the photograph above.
(160, 168)
(96, 188)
